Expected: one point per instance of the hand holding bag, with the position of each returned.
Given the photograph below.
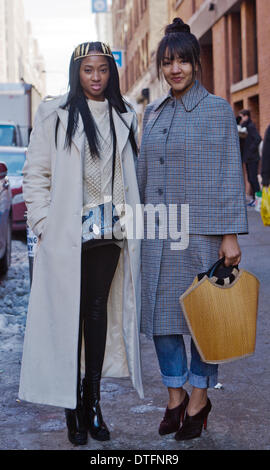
(220, 308)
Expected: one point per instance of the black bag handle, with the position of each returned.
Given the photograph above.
(218, 264)
(221, 272)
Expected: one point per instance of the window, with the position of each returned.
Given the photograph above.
(254, 65)
(177, 3)
(147, 49)
(254, 107)
(136, 13)
(143, 6)
(238, 106)
(14, 162)
(236, 40)
(249, 38)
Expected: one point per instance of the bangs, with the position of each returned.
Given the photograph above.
(174, 49)
(178, 46)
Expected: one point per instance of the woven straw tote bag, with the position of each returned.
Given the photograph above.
(220, 308)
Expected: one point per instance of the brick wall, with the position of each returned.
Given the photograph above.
(240, 52)
(263, 22)
(183, 9)
(137, 30)
(256, 97)
(234, 66)
(220, 58)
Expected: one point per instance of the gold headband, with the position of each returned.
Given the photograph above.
(83, 50)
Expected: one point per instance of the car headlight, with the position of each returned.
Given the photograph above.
(18, 198)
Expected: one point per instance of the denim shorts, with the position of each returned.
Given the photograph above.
(171, 353)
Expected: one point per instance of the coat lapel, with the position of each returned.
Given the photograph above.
(122, 127)
(154, 114)
(78, 137)
(194, 96)
(190, 99)
(57, 105)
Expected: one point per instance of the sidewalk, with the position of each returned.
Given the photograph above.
(241, 408)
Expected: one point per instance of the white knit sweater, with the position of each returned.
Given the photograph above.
(97, 172)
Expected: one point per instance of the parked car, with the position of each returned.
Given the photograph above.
(14, 158)
(5, 219)
(10, 134)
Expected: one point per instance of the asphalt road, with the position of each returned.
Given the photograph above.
(241, 407)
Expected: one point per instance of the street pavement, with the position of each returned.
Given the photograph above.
(239, 419)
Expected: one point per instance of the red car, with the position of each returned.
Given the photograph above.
(14, 158)
(5, 219)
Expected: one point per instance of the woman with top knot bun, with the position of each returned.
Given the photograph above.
(189, 156)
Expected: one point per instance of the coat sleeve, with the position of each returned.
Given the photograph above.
(231, 200)
(141, 166)
(266, 159)
(37, 175)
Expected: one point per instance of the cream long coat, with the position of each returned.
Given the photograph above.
(53, 193)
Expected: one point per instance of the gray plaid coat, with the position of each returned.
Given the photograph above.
(189, 155)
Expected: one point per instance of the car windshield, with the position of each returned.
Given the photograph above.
(14, 162)
(7, 135)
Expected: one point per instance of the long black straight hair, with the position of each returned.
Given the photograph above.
(77, 104)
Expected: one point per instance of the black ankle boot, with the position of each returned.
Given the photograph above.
(93, 416)
(77, 430)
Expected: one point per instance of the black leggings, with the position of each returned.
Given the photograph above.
(98, 266)
(252, 171)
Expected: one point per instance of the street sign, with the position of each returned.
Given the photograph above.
(99, 6)
(118, 57)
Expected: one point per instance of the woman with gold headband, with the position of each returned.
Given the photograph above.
(81, 190)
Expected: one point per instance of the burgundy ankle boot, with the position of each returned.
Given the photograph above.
(173, 418)
(193, 425)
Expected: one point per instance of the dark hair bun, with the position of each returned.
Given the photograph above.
(177, 26)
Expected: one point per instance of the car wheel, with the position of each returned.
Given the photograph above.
(6, 260)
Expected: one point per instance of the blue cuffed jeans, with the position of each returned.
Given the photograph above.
(172, 358)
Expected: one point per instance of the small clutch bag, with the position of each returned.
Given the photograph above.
(101, 224)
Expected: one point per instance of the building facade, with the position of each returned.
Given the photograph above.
(138, 26)
(20, 58)
(235, 49)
